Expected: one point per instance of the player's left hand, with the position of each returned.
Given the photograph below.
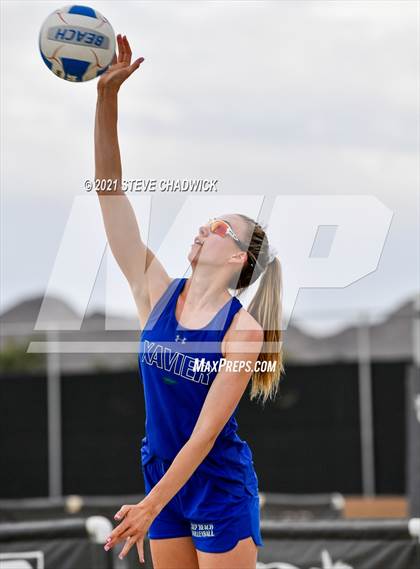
(135, 521)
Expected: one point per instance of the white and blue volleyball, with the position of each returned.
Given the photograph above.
(77, 43)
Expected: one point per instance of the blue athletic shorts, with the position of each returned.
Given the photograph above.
(215, 518)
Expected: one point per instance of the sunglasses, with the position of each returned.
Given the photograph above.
(222, 228)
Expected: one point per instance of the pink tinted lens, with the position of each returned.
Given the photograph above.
(219, 228)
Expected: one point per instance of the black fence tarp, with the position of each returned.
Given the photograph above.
(272, 506)
(413, 441)
(298, 507)
(54, 544)
(328, 544)
(307, 441)
(341, 544)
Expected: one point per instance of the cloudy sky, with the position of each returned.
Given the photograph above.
(274, 99)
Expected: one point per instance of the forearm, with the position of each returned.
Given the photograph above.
(107, 151)
(185, 463)
(120, 222)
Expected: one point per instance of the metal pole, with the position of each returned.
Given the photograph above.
(413, 418)
(416, 332)
(54, 415)
(366, 407)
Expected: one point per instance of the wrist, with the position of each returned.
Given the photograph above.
(107, 92)
(152, 503)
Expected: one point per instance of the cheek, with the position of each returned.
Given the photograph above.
(217, 249)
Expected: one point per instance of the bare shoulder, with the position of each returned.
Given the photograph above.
(243, 329)
(244, 321)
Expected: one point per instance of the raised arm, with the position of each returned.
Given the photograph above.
(122, 230)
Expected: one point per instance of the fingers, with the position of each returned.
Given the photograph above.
(129, 544)
(124, 50)
(120, 48)
(135, 65)
(122, 512)
(127, 533)
(140, 549)
(127, 52)
(127, 529)
(118, 534)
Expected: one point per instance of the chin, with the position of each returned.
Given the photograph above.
(192, 258)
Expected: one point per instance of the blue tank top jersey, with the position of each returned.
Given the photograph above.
(174, 391)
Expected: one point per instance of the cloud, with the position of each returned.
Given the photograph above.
(278, 97)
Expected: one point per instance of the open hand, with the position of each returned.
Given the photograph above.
(136, 520)
(121, 67)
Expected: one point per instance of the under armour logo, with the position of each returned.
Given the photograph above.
(179, 339)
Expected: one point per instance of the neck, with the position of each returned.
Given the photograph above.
(204, 290)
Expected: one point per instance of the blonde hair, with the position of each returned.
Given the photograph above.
(265, 307)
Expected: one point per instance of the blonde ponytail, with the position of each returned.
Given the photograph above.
(266, 308)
